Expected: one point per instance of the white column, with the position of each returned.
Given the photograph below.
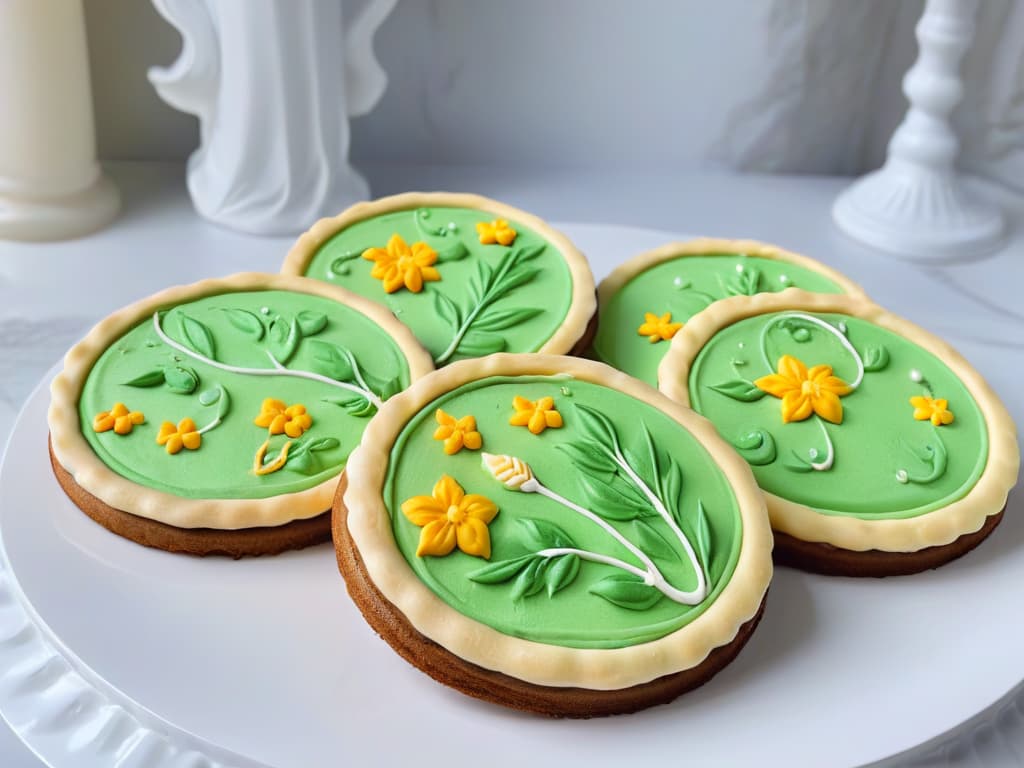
(51, 186)
(916, 206)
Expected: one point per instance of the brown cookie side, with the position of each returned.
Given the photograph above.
(496, 687)
(582, 347)
(246, 542)
(818, 557)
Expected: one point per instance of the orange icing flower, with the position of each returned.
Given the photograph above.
(449, 517)
(399, 264)
(804, 392)
(290, 419)
(935, 409)
(658, 328)
(118, 418)
(457, 433)
(535, 416)
(184, 435)
(497, 231)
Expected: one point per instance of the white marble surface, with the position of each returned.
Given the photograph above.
(50, 294)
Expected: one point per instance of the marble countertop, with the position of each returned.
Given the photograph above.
(50, 294)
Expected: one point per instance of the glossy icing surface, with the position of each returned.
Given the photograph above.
(682, 287)
(820, 405)
(544, 479)
(261, 432)
(476, 297)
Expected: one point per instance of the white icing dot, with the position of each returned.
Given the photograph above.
(739, 268)
(783, 279)
(842, 327)
(451, 226)
(901, 476)
(741, 345)
(264, 310)
(678, 282)
(915, 375)
(813, 453)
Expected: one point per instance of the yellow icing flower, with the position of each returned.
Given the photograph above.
(451, 517)
(175, 438)
(401, 265)
(497, 231)
(804, 392)
(118, 418)
(457, 433)
(535, 416)
(931, 408)
(278, 417)
(658, 328)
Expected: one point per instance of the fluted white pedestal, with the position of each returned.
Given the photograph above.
(916, 206)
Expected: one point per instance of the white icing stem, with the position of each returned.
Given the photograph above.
(652, 576)
(698, 594)
(821, 324)
(277, 370)
(596, 558)
(825, 465)
(212, 425)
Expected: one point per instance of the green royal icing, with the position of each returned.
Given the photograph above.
(684, 286)
(578, 604)
(164, 384)
(490, 298)
(886, 464)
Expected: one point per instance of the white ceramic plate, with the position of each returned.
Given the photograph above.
(115, 654)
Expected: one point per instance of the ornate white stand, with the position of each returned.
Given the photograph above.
(273, 83)
(916, 206)
(51, 186)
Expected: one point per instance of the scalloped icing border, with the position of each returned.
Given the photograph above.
(369, 525)
(936, 528)
(89, 471)
(710, 246)
(582, 306)
(68, 715)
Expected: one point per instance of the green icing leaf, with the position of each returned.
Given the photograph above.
(540, 534)
(562, 573)
(302, 460)
(673, 488)
(876, 357)
(595, 425)
(310, 322)
(500, 571)
(589, 458)
(626, 591)
(278, 330)
(341, 266)
(147, 379)
(652, 542)
(531, 580)
(447, 310)
(615, 499)
(757, 446)
(330, 360)
(702, 534)
(209, 396)
(181, 379)
(245, 321)
(746, 283)
(197, 336)
(357, 405)
(739, 389)
(478, 344)
(456, 252)
(284, 350)
(504, 318)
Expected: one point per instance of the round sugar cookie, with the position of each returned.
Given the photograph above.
(470, 276)
(880, 449)
(646, 300)
(215, 418)
(549, 534)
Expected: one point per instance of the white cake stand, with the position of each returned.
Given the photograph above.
(112, 654)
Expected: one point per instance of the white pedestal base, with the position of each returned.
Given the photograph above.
(918, 215)
(59, 218)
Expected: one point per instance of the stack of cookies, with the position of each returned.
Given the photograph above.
(557, 534)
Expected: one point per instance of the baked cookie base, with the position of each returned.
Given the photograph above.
(496, 687)
(818, 557)
(245, 542)
(586, 341)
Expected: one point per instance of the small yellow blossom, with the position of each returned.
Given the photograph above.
(497, 231)
(118, 418)
(175, 438)
(658, 328)
(451, 517)
(934, 409)
(457, 433)
(292, 420)
(804, 391)
(535, 416)
(401, 265)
